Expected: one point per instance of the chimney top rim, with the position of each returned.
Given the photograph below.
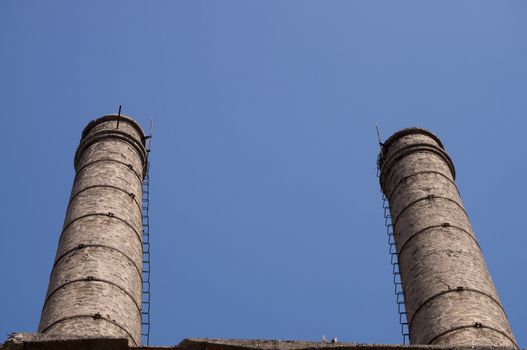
(110, 117)
(409, 131)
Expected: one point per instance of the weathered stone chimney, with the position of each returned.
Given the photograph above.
(95, 284)
(449, 295)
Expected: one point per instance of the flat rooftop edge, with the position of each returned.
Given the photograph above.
(32, 341)
(264, 344)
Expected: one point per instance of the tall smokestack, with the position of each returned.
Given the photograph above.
(449, 295)
(95, 284)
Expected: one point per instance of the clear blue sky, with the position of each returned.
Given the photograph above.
(266, 213)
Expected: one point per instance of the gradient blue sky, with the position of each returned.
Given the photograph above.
(266, 213)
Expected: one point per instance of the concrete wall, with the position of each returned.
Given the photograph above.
(95, 284)
(449, 295)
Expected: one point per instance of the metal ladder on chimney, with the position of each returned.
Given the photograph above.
(145, 273)
(397, 282)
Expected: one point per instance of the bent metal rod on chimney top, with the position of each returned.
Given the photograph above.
(95, 283)
(449, 295)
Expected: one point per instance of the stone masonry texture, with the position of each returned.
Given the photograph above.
(450, 298)
(27, 341)
(95, 284)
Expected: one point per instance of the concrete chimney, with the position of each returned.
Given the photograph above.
(95, 284)
(450, 298)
